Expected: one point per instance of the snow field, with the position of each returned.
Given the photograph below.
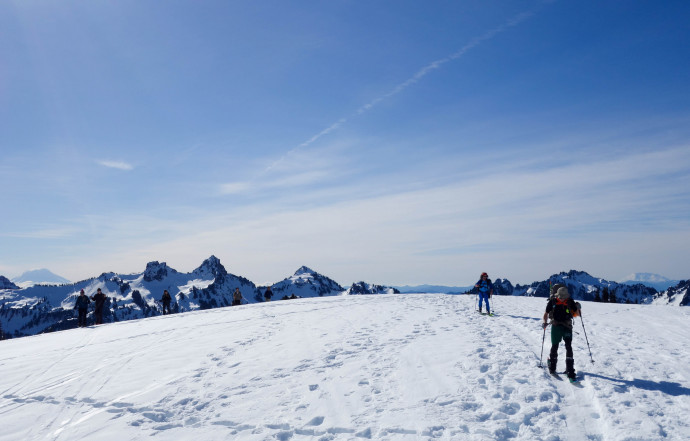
(385, 367)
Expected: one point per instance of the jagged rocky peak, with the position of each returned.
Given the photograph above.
(156, 271)
(5, 283)
(212, 266)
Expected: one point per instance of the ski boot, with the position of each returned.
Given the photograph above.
(570, 369)
(551, 364)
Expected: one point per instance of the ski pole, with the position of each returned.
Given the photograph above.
(542, 348)
(586, 339)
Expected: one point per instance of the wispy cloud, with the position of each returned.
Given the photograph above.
(235, 187)
(47, 233)
(297, 168)
(119, 165)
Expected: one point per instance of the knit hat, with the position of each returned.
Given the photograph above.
(563, 293)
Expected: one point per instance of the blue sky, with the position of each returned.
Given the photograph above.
(397, 142)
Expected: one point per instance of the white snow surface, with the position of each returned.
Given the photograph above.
(385, 367)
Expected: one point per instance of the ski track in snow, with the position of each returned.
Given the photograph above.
(401, 367)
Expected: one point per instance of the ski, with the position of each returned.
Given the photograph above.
(575, 381)
(572, 381)
(557, 376)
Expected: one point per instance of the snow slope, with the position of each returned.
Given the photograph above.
(385, 367)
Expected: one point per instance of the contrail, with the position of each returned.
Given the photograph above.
(476, 41)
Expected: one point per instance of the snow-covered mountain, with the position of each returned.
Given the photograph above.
(384, 367)
(306, 283)
(39, 277)
(656, 281)
(6, 283)
(368, 288)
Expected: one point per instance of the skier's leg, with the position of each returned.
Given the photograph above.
(556, 336)
(569, 360)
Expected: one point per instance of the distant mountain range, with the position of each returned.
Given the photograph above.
(45, 308)
(660, 283)
(430, 289)
(39, 277)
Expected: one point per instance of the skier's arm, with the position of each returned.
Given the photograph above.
(545, 319)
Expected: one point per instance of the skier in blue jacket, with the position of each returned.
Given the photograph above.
(486, 289)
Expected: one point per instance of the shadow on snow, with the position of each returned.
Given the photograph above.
(667, 387)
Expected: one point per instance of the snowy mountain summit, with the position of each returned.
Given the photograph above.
(211, 268)
(306, 283)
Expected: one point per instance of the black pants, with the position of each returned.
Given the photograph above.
(98, 316)
(166, 307)
(558, 333)
(82, 317)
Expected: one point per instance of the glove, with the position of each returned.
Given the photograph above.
(544, 325)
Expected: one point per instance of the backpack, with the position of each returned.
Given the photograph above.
(484, 285)
(561, 311)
